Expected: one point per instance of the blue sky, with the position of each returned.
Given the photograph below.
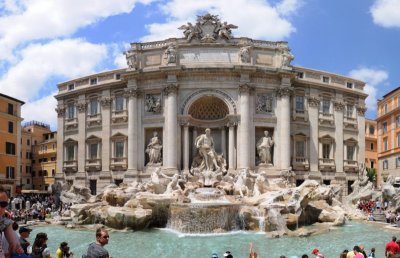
(45, 42)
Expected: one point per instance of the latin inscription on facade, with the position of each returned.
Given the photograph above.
(208, 56)
(264, 59)
(152, 60)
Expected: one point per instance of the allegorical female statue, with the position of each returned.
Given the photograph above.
(154, 150)
(264, 146)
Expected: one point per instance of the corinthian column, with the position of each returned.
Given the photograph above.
(132, 94)
(81, 107)
(361, 133)
(60, 141)
(283, 120)
(170, 127)
(313, 109)
(338, 109)
(244, 127)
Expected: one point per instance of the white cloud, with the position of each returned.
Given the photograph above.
(28, 20)
(373, 78)
(42, 110)
(386, 13)
(68, 58)
(256, 18)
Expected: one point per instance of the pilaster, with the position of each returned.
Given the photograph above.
(170, 159)
(361, 133)
(244, 126)
(131, 93)
(313, 110)
(59, 177)
(81, 107)
(105, 102)
(339, 154)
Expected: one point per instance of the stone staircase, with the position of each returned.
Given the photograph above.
(379, 216)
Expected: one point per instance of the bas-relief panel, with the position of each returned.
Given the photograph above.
(208, 55)
(152, 60)
(264, 59)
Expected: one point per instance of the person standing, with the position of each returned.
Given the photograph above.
(6, 229)
(24, 233)
(392, 246)
(96, 249)
(39, 248)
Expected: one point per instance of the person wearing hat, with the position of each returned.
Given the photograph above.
(214, 255)
(228, 254)
(316, 252)
(23, 236)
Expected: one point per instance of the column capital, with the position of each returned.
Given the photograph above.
(339, 106)
(60, 111)
(184, 121)
(132, 93)
(106, 102)
(245, 88)
(170, 88)
(361, 110)
(232, 121)
(282, 92)
(81, 106)
(314, 102)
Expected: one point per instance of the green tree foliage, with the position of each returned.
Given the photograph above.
(371, 174)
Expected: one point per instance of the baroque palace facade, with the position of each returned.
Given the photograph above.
(240, 88)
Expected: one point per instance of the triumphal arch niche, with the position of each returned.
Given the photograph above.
(220, 89)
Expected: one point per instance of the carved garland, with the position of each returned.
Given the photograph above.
(81, 107)
(314, 102)
(361, 110)
(339, 106)
(283, 92)
(170, 88)
(106, 102)
(245, 88)
(60, 111)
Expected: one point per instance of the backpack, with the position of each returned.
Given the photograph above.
(37, 253)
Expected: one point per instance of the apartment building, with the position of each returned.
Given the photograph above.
(388, 123)
(10, 143)
(371, 148)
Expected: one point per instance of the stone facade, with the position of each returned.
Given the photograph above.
(237, 87)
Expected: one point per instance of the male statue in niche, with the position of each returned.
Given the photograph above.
(205, 146)
(264, 146)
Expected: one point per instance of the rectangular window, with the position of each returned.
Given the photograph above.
(119, 149)
(93, 151)
(350, 152)
(10, 127)
(385, 164)
(10, 148)
(118, 76)
(299, 103)
(93, 107)
(300, 153)
(398, 140)
(71, 111)
(371, 129)
(119, 103)
(372, 146)
(386, 108)
(397, 121)
(300, 75)
(93, 81)
(28, 142)
(349, 85)
(10, 109)
(398, 101)
(326, 106)
(326, 150)
(397, 162)
(372, 163)
(384, 127)
(71, 86)
(10, 172)
(349, 110)
(325, 79)
(70, 152)
(385, 144)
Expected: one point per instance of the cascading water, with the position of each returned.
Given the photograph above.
(208, 212)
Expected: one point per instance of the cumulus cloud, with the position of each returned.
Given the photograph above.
(67, 58)
(42, 110)
(255, 18)
(386, 13)
(27, 20)
(373, 78)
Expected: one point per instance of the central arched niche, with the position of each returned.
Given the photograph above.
(208, 108)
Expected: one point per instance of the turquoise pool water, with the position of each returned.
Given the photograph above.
(163, 243)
